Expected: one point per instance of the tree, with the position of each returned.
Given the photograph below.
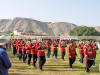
(84, 31)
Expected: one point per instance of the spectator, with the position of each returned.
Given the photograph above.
(5, 63)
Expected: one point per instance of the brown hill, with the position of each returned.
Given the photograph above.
(97, 28)
(38, 27)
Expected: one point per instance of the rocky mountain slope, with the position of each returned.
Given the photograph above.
(38, 27)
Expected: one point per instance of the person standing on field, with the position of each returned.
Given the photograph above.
(41, 55)
(55, 49)
(5, 63)
(71, 53)
(62, 48)
(89, 55)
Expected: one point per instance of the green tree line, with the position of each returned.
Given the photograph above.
(84, 31)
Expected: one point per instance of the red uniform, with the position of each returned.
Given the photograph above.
(41, 54)
(67, 41)
(89, 54)
(55, 46)
(37, 45)
(33, 48)
(72, 54)
(19, 47)
(48, 45)
(62, 47)
(71, 51)
(93, 47)
(41, 51)
(88, 51)
(80, 47)
(17, 44)
(28, 51)
(23, 46)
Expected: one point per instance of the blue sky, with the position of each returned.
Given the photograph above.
(80, 12)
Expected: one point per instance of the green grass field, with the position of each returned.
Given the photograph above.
(52, 66)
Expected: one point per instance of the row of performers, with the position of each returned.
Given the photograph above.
(36, 49)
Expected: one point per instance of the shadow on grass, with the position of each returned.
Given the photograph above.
(21, 68)
(56, 65)
(16, 62)
(62, 70)
(77, 67)
(20, 74)
(94, 72)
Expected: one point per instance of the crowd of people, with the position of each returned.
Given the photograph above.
(35, 49)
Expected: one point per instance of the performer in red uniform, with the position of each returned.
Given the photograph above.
(95, 48)
(89, 55)
(20, 49)
(13, 43)
(81, 52)
(41, 55)
(62, 48)
(28, 51)
(34, 52)
(23, 51)
(71, 53)
(48, 46)
(55, 49)
(17, 44)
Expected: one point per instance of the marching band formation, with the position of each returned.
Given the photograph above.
(35, 49)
